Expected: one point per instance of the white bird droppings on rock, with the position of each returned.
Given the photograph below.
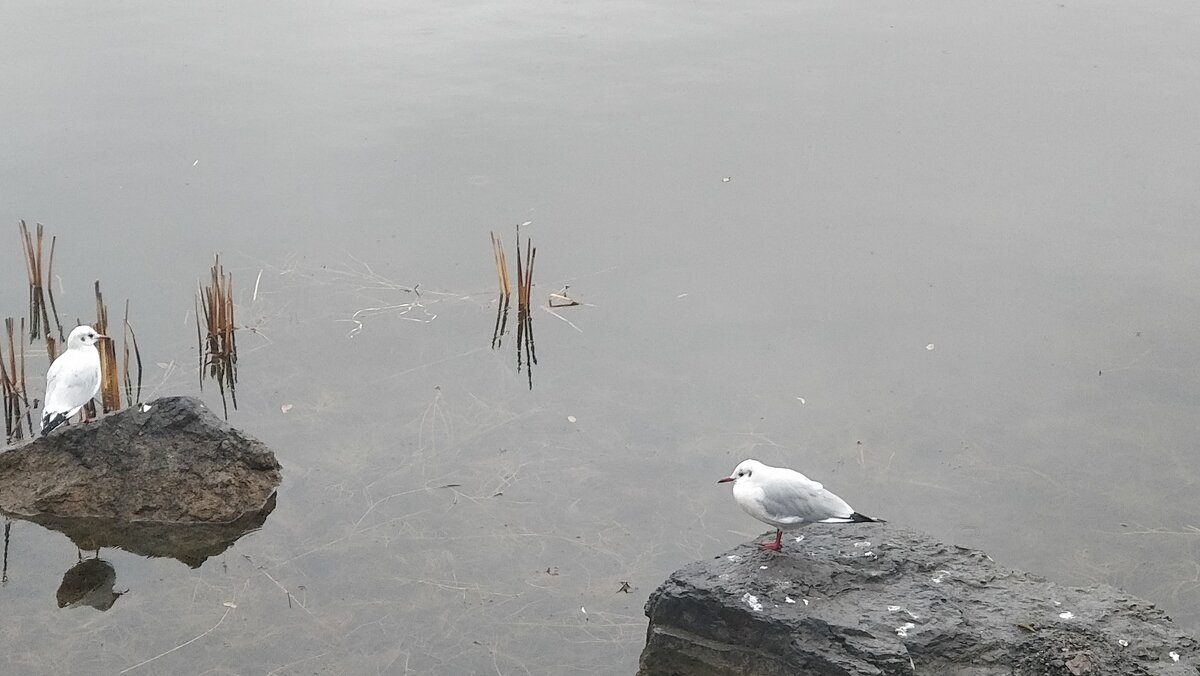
(752, 601)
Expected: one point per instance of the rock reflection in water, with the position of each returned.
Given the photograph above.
(189, 543)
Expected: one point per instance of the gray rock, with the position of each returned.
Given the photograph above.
(878, 600)
(168, 461)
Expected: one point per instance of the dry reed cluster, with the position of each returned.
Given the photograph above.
(16, 402)
(216, 340)
(526, 351)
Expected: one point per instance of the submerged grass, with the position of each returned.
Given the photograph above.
(215, 339)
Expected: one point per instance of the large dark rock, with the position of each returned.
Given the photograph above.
(168, 461)
(874, 599)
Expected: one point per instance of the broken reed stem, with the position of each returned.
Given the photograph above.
(133, 396)
(530, 350)
(520, 305)
(110, 383)
(526, 354)
(21, 379)
(501, 264)
(12, 420)
(50, 295)
(502, 302)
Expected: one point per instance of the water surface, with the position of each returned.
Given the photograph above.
(940, 256)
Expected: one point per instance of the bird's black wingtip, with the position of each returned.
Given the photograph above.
(859, 518)
(49, 423)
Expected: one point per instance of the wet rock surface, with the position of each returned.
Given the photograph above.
(168, 461)
(882, 600)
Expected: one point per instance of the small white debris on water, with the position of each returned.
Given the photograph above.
(929, 347)
(892, 609)
(799, 538)
(902, 630)
(583, 610)
(571, 419)
(195, 163)
(1123, 643)
(526, 223)
(1173, 655)
(146, 408)
(801, 400)
(682, 295)
(762, 567)
(734, 557)
(229, 604)
(805, 601)
(726, 179)
(864, 543)
(788, 599)
(1067, 615)
(752, 601)
(285, 408)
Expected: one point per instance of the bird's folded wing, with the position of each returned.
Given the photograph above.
(796, 502)
(70, 389)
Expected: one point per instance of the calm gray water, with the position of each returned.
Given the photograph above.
(954, 274)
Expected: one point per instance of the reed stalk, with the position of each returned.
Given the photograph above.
(110, 383)
(132, 395)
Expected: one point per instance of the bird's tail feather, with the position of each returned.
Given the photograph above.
(859, 518)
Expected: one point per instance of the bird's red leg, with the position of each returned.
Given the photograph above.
(777, 544)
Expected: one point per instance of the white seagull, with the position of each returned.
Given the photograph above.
(786, 499)
(73, 378)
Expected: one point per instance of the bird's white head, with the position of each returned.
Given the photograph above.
(83, 336)
(743, 471)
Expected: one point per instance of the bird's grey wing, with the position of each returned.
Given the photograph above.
(802, 501)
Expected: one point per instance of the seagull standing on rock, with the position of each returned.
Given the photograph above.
(786, 499)
(73, 378)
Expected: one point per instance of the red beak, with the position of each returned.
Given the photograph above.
(728, 478)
